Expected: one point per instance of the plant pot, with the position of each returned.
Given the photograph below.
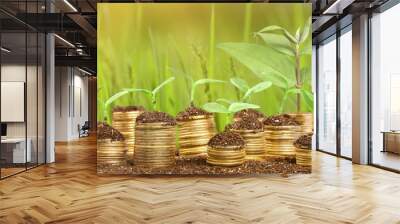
(194, 135)
(306, 121)
(124, 122)
(255, 143)
(303, 157)
(155, 145)
(279, 140)
(111, 152)
(226, 156)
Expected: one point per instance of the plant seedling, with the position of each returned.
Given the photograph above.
(246, 90)
(215, 107)
(293, 46)
(151, 93)
(199, 82)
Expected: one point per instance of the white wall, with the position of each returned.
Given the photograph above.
(71, 94)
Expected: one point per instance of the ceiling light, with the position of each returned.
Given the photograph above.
(84, 71)
(70, 5)
(5, 50)
(64, 40)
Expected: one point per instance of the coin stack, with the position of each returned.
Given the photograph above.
(194, 134)
(110, 152)
(279, 140)
(124, 122)
(306, 121)
(226, 155)
(155, 145)
(255, 143)
(303, 157)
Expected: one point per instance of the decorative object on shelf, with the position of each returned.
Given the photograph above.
(305, 120)
(196, 127)
(124, 120)
(303, 150)
(252, 113)
(226, 149)
(252, 132)
(155, 140)
(111, 147)
(280, 132)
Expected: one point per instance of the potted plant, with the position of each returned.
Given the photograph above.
(155, 142)
(111, 146)
(280, 132)
(226, 149)
(251, 130)
(196, 126)
(303, 150)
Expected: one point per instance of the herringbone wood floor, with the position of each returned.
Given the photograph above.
(69, 191)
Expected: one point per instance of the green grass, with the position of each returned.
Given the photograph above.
(140, 45)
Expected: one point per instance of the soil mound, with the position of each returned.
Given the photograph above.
(227, 138)
(280, 120)
(249, 113)
(128, 108)
(303, 142)
(191, 112)
(105, 131)
(246, 123)
(155, 117)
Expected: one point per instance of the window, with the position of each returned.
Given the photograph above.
(327, 96)
(385, 89)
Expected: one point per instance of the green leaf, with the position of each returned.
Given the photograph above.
(279, 29)
(306, 51)
(223, 100)
(293, 90)
(240, 84)
(278, 42)
(297, 36)
(263, 61)
(257, 88)
(306, 31)
(115, 97)
(162, 84)
(236, 106)
(201, 82)
(215, 108)
(308, 99)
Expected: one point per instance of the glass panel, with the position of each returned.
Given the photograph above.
(41, 99)
(346, 94)
(327, 96)
(385, 86)
(31, 99)
(13, 86)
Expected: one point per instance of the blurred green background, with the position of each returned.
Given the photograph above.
(141, 45)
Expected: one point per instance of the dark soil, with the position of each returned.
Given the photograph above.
(105, 131)
(156, 117)
(190, 112)
(303, 142)
(280, 120)
(128, 108)
(227, 138)
(198, 166)
(246, 123)
(249, 113)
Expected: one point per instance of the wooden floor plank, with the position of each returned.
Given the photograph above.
(69, 191)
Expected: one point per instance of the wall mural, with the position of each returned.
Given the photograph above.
(204, 88)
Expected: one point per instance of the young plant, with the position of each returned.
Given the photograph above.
(215, 107)
(199, 82)
(281, 60)
(151, 93)
(246, 90)
(295, 47)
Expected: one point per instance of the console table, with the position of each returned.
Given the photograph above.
(13, 150)
(391, 141)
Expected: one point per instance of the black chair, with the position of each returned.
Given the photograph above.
(84, 130)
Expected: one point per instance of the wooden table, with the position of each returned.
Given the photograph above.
(391, 141)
